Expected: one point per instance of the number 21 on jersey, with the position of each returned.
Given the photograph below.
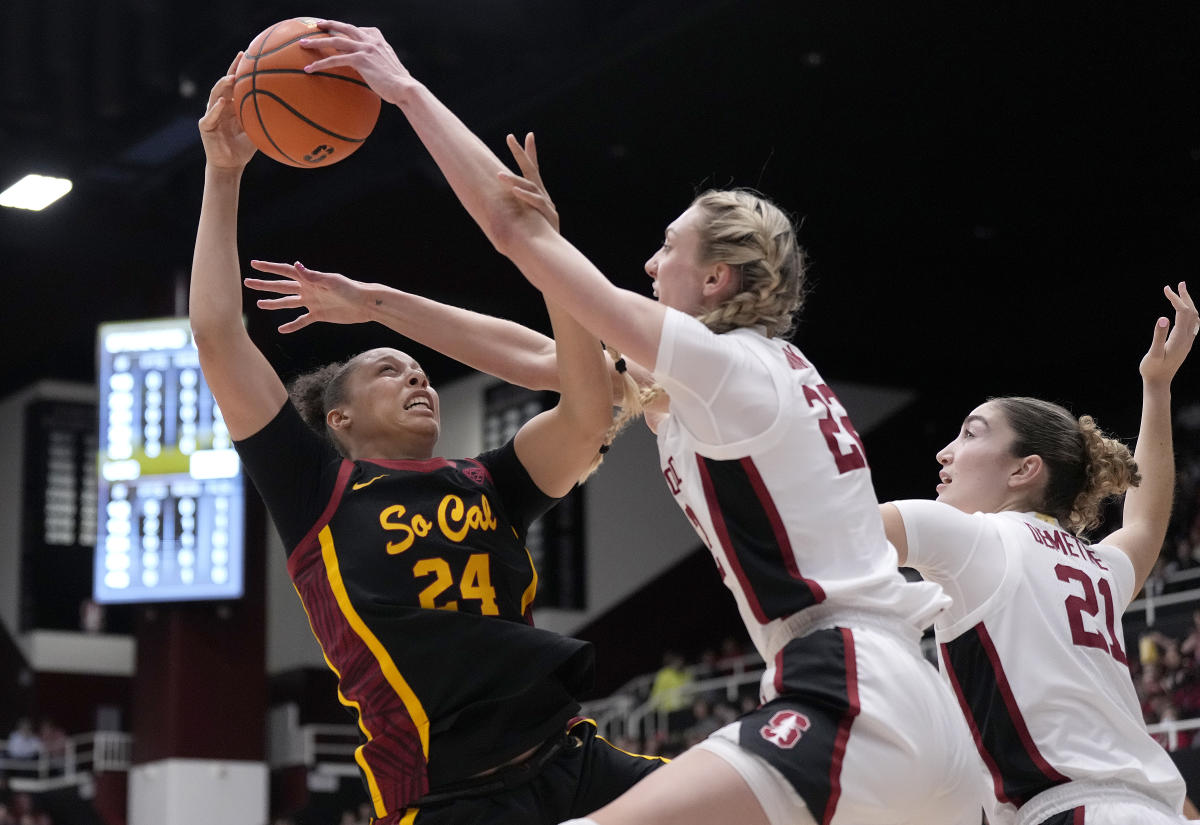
(1077, 606)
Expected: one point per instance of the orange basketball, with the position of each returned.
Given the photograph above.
(297, 118)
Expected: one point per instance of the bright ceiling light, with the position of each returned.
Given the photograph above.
(34, 192)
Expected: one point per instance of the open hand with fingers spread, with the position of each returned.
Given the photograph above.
(325, 296)
(1168, 351)
(226, 145)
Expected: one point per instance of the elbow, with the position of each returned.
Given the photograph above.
(212, 335)
(508, 226)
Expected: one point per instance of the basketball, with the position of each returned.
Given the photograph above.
(301, 119)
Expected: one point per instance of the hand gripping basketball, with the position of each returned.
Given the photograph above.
(298, 117)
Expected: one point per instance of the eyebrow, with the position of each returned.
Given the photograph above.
(971, 419)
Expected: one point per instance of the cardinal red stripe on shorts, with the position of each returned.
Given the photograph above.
(1019, 770)
(750, 530)
(843, 735)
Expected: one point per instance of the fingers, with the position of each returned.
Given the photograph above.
(286, 302)
(531, 148)
(221, 89)
(518, 182)
(287, 270)
(212, 117)
(1158, 343)
(345, 29)
(282, 287)
(237, 58)
(296, 271)
(296, 323)
(1186, 316)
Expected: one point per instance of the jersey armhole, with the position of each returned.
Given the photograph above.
(999, 595)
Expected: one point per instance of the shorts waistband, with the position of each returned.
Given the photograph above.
(825, 616)
(509, 776)
(1084, 792)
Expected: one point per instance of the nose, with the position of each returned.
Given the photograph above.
(944, 456)
(416, 378)
(652, 266)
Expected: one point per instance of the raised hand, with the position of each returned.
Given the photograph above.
(530, 188)
(363, 49)
(225, 143)
(325, 296)
(1168, 351)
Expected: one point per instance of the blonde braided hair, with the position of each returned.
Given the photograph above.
(757, 238)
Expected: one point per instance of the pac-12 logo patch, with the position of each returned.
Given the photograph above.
(785, 728)
(476, 474)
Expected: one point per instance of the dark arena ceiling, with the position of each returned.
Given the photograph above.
(992, 195)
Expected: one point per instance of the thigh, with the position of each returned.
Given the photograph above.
(698, 788)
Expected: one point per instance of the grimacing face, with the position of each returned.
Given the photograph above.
(390, 398)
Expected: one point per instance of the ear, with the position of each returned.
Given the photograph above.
(337, 419)
(720, 282)
(1029, 474)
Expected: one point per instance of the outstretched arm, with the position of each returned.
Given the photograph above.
(1147, 508)
(629, 321)
(243, 382)
(505, 349)
(499, 347)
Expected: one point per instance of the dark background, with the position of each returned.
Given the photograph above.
(992, 195)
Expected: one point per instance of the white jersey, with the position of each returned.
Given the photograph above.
(1033, 648)
(765, 464)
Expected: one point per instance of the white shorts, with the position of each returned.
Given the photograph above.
(864, 732)
(1096, 802)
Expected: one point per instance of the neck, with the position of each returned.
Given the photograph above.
(391, 450)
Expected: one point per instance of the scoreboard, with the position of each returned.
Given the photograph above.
(170, 491)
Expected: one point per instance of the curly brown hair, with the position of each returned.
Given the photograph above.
(318, 391)
(1085, 466)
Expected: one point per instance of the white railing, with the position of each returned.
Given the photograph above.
(80, 757)
(646, 721)
(330, 748)
(1172, 728)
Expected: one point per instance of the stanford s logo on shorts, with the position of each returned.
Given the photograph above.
(785, 728)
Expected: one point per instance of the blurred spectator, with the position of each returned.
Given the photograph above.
(729, 659)
(23, 743)
(54, 742)
(667, 692)
(704, 722)
(1190, 646)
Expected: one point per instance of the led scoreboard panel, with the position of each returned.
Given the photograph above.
(170, 484)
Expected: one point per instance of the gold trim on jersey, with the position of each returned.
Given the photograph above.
(592, 722)
(530, 592)
(372, 783)
(409, 817)
(390, 672)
